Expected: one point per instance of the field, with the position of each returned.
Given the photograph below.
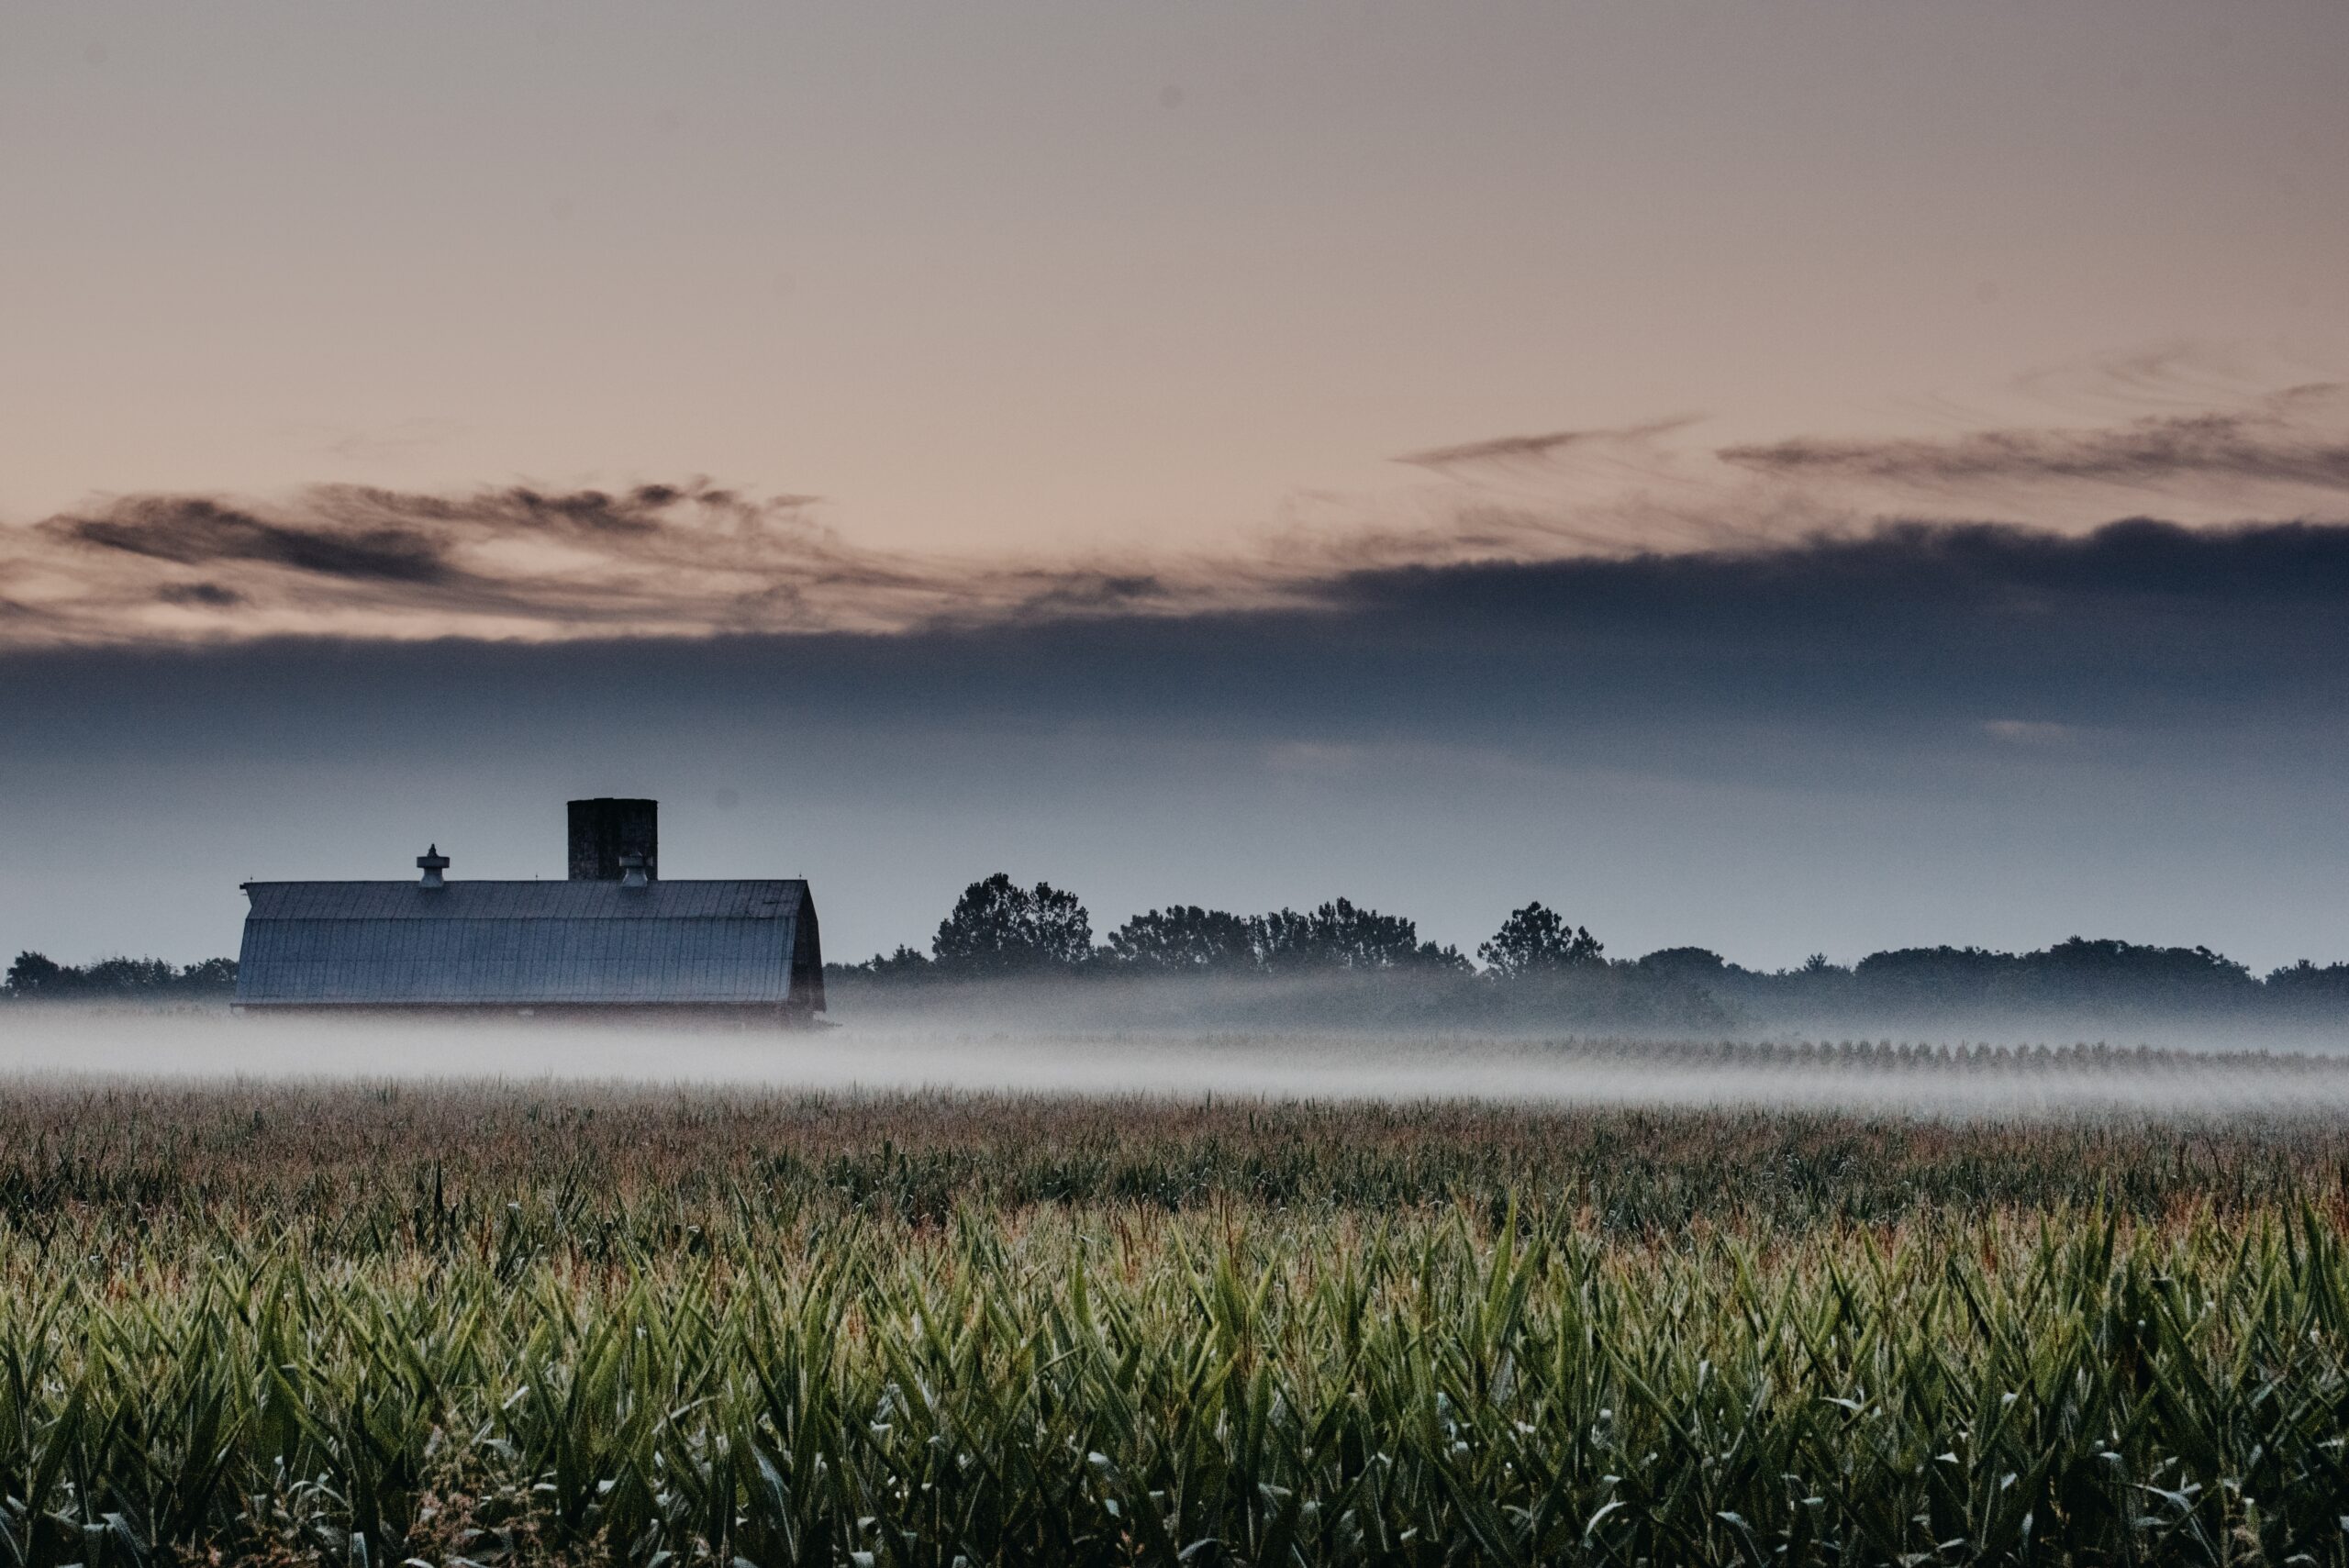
(370, 1324)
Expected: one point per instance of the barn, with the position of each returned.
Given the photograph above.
(610, 938)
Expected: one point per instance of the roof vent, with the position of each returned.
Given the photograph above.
(434, 863)
(633, 871)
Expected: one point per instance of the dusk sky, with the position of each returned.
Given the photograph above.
(1786, 477)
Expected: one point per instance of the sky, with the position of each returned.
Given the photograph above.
(1812, 477)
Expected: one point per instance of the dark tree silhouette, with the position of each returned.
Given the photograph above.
(1537, 940)
(37, 975)
(211, 974)
(2308, 979)
(1183, 939)
(128, 976)
(1443, 957)
(1340, 935)
(2079, 966)
(2073, 972)
(905, 963)
(998, 928)
(2308, 989)
(32, 974)
(1698, 965)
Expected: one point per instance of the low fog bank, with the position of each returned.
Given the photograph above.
(1352, 1003)
(1938, 1077)
(1616, 1002)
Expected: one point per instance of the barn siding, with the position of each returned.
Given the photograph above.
(510, 944)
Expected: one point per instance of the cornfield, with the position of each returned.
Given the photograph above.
(374, 1325)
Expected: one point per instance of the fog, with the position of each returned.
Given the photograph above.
(1927, 1076)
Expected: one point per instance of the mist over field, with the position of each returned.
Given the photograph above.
(2164, 1072)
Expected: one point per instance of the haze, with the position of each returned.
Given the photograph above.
(1408, 1069)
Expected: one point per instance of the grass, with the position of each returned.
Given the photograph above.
(368, 1325)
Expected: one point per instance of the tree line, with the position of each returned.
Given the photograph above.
(37, 976)
(2078, 972)
(1000, 930)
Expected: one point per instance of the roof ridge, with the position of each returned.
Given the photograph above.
(511, 882)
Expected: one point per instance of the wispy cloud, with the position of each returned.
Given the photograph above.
(690, 558)
(2273, 454)
(696, 559)
(196, 531)
(1504, 450)
(2270, 446)
(394, 443)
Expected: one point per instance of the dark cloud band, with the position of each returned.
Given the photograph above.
(2139, 634)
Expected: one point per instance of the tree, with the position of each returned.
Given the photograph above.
(2082, 970)
(1340, 935)
(211, 974)
(2077, 972)
(126, 976)
(1537, 940)
(1941, 976)
(2307, 978)
(2306, 988)
(31, 973)
(38, 974)
(1444, 957)
(998, 928)
(1183, 939)
(905, 963)
(1686, 964)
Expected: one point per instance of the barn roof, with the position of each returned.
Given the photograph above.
(526, 944)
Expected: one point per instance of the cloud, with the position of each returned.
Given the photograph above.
(692, 559)
(2266, 448)
(659, 560)
(194, 532)
(210, 594)
(1471, 456)
(2277, 454)
(1965, 636)
(2209, 452)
